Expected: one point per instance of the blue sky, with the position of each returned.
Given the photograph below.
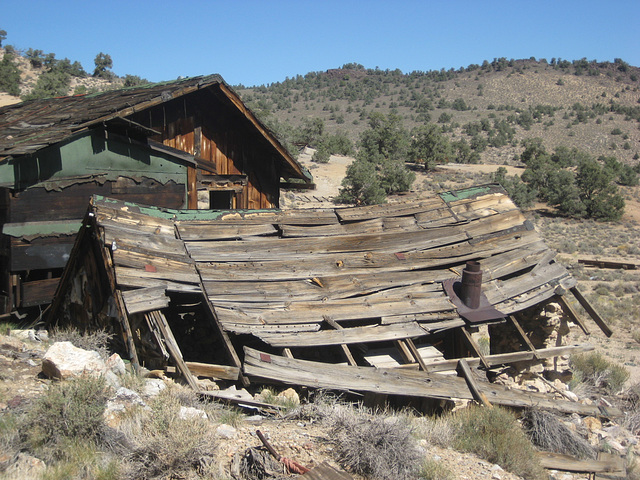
(259, 42)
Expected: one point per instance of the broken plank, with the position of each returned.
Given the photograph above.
(506, 358)
(223, 231)
(350, 214)
(396, 382)
(592, 312)
(345, 336)
(567, 463)
(145, 299)
(173, 348)
(222, 372)
(572, 314)
(478, 396)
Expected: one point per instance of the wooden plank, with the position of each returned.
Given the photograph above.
(344, 336)
(614, 458)
(38, 292)
(609, 264)
(356, 228)
(269, 249)
(222, 372)
(347, 309)
(592, 312)
(474, 347)
(350, 214)
(572, 314)
(324, 471)
(186, 273)
(474, 388)
(173, 348)
(567, 463)
(507, 358)
(524, 336)
(396, 382)
(145, 299)
(223, 231)
(345, 348)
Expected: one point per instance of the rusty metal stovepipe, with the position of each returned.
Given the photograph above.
(471, 285)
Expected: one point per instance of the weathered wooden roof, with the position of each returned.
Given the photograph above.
(280, 274)
(30, 126)
(310, 279)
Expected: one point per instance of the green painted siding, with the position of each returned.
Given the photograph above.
(91, 154)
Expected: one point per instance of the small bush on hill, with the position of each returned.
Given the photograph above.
(494, 434)
(71, 410)
(595, 370)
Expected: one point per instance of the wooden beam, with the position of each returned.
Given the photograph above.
(347, 353)
(572, 314)
(403, 382)
(474, 347)
(416, 354)
(173, 348)
(231, 351)
(524, 337)
(192, 188)
(223, 372)
(506, 358)
(126, 331)
(478, 396)
(567, 463)
(591, 311)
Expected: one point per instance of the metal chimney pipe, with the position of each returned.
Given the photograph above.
(471, 284)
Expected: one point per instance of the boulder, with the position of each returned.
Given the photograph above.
(63, 361)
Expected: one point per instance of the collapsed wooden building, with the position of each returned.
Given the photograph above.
(187, 144)
(364, 299)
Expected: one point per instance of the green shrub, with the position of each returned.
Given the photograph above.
(434, 470)
(494, 434)
(72, 409)
(595, 370)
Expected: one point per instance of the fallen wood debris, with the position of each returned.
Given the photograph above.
(400, 382)
(557, 461)
(297, 296)
(589, 262)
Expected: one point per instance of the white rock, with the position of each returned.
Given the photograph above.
(63, 361)
(123, 400)
(226, 431)
(187, 413)
(116, 365)
(153, 387)
(569, 394)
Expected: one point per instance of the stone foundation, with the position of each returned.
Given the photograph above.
(546, 326)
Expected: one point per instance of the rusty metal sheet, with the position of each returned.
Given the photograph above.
(484, 313)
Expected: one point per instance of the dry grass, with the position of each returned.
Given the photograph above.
(547, 432)
(375, 446)
(160, 441)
